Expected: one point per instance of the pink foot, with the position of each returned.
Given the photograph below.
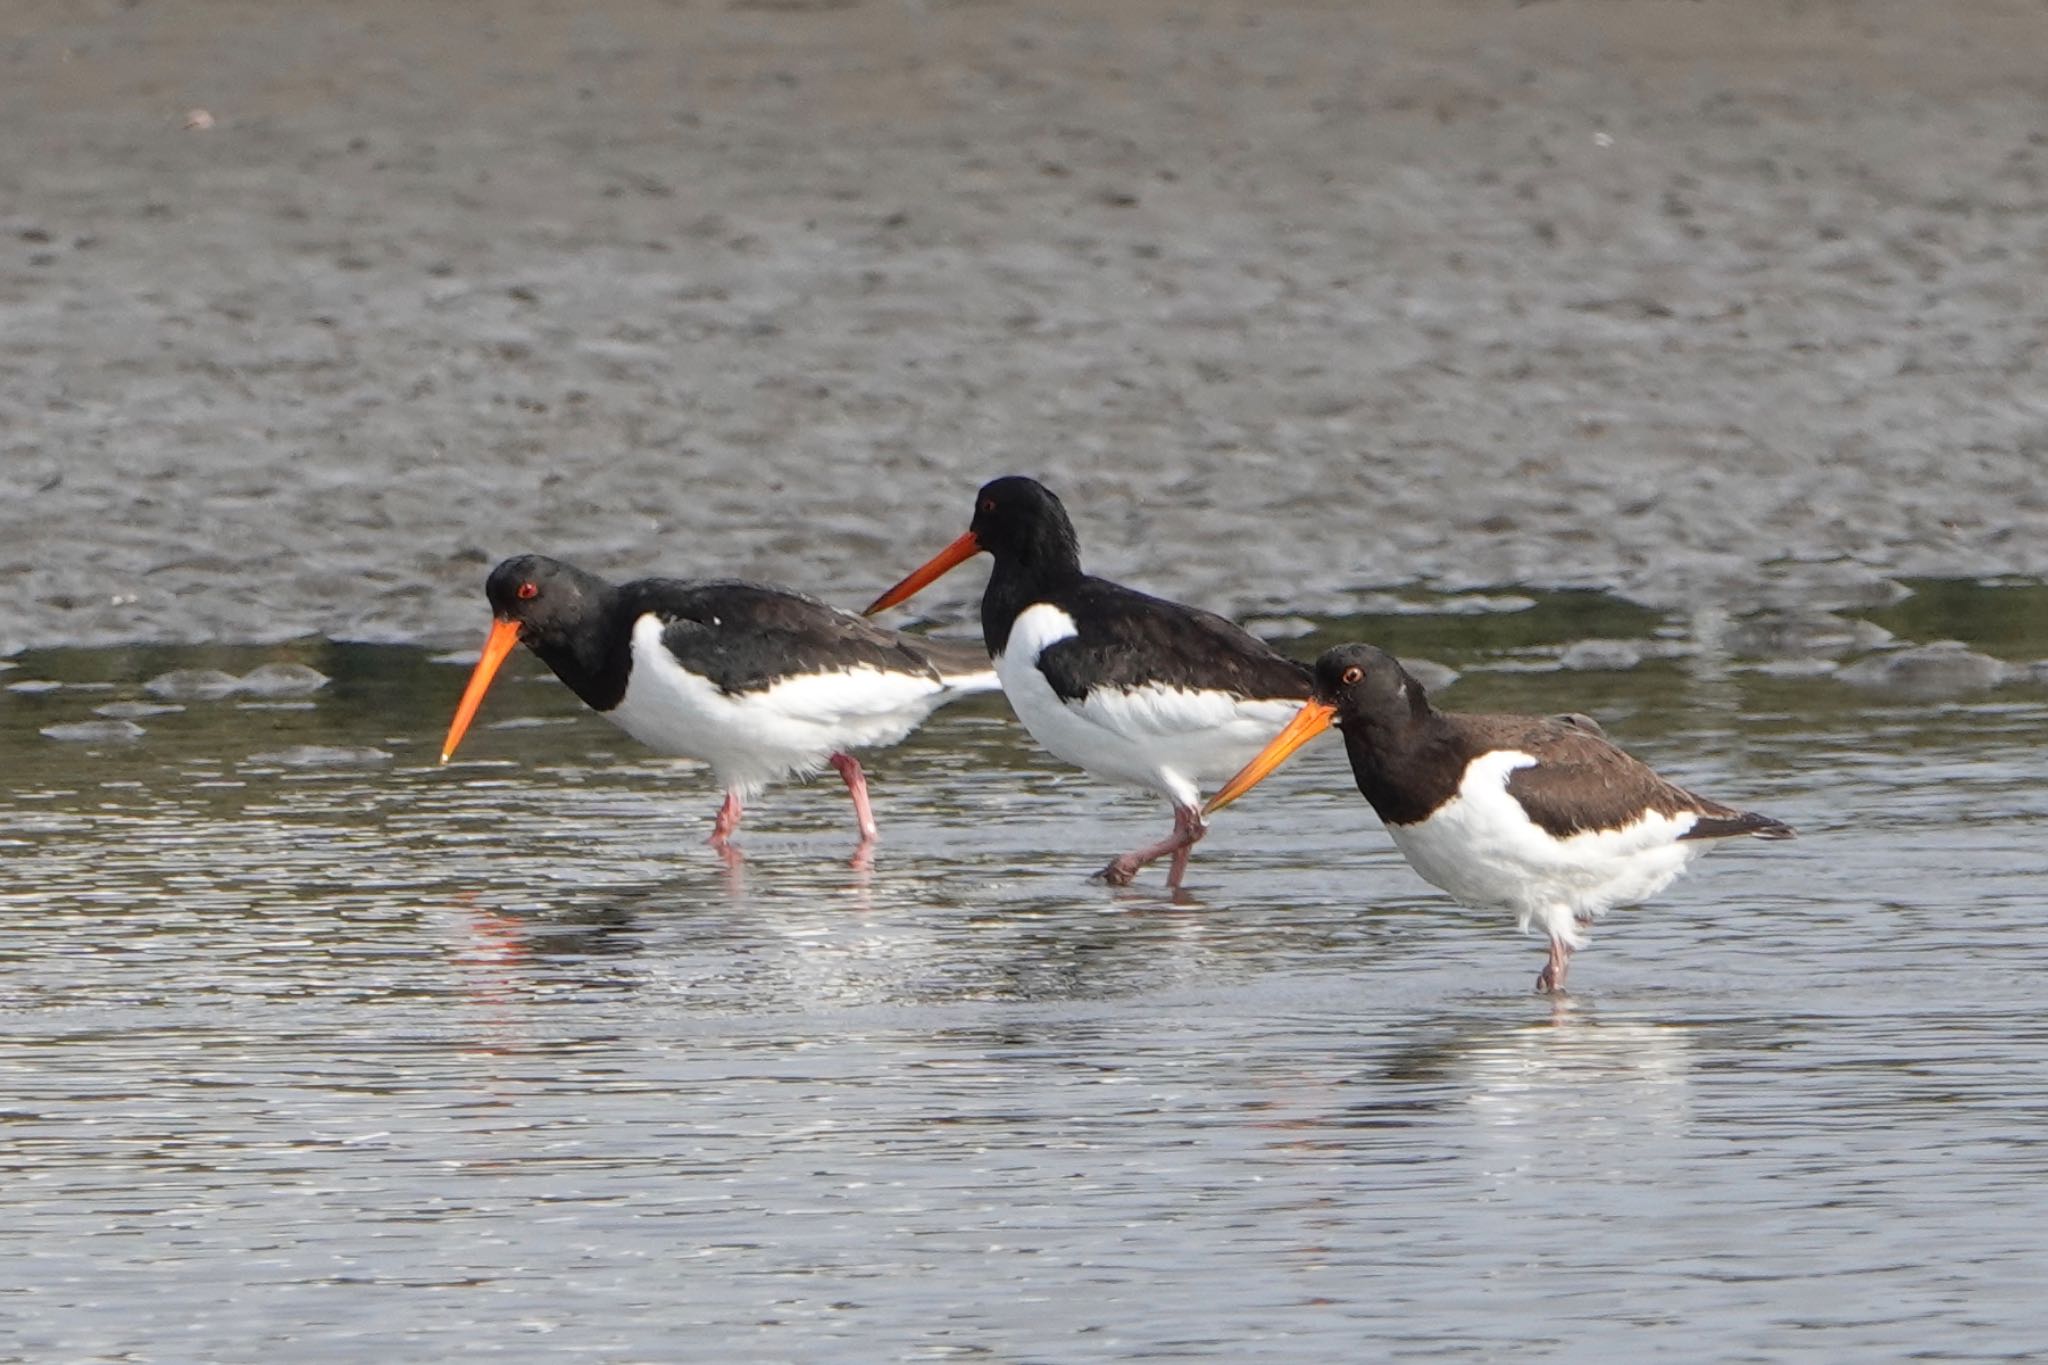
(1121, 870)
(1187, 830)
(1550, 981)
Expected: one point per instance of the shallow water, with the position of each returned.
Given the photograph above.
(315, 1050)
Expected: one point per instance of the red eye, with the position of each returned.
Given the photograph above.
(527, 592)
(988, 504)
(1352, 675)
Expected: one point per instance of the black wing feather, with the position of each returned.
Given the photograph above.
(748, 636)
(1131, 639)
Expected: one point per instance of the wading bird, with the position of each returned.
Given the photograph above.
(1133, 688)
(1539, 815)
(757, 681)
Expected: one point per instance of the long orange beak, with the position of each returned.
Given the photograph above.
(1310, 721)
(960, 551)
(504, 637)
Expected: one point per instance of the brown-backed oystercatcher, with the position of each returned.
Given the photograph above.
(1130, 687)
(757, 681)
(1539, 815)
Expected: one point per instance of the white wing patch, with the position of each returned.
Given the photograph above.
(1170, 740)
(1036, 629)
(752, 738)
(1483, 848)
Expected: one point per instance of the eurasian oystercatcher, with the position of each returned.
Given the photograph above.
(758, 681)
(1132, 688)
(1539, 815)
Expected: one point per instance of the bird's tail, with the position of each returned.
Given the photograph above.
(962, 664)
(1737, 823)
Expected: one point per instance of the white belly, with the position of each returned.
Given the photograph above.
(1482, 848)
(1170, 740)
(752, 738)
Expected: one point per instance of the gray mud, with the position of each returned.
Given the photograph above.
(1294, 302)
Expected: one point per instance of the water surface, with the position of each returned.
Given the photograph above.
(315, 1050)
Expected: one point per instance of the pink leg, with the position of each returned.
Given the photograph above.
(1187, 829)
(727, 822)
(1550, 981)
(857, 788)
(1179, 867)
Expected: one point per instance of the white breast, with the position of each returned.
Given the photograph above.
(752, 738)
(1484, 849)
(1170, 740)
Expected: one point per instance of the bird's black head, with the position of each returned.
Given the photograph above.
(1361, 690)
(554, 609)
(1021, 520)
(1369, 685)
(1020, 523)
(550, 600)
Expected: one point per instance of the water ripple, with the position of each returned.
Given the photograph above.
(344, 1060)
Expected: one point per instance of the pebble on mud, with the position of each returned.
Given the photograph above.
(95, 731)
(1803, 634)
(1433, 676)
(209, 684)
(282, 680)
(193, 684)
(1946, 668)
(135, 710)
(320, 756)
(1279, 627)
(1601, 656)
(1794, 668)
(1473, 604)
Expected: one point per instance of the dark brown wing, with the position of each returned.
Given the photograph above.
(1580, 782)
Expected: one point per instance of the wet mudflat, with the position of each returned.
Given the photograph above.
(314, 1050)
(1292, 300)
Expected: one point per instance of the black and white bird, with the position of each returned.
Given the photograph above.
(1130, 687)
(1539, 815)
(757, 681)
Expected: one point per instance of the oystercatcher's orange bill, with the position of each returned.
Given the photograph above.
(961, 550)
(1310, 721)
(503, 639)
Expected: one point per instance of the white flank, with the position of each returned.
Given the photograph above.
(1482, 848)
(1165, 739)
(753, 738)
